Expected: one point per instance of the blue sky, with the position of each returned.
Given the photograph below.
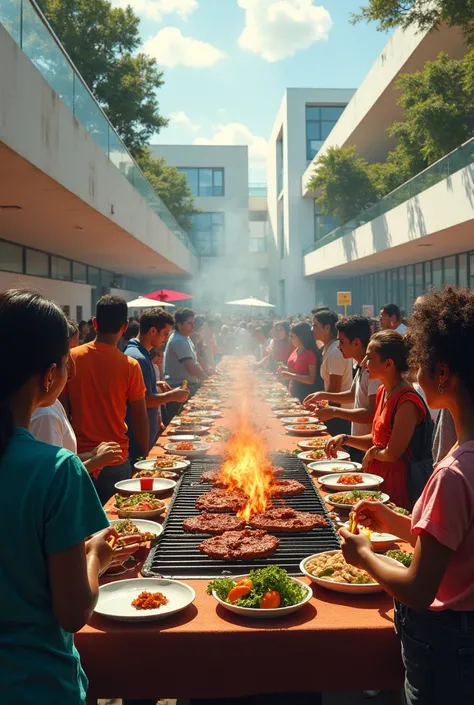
(227, 63)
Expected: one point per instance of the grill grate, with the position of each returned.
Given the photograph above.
(176, 555)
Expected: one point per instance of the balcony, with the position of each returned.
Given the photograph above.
(258, 190)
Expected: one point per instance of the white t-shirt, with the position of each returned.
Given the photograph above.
(363, 389)
(402, 329)
(51, 425)
(334, 364)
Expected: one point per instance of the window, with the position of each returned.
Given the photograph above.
(323, 224)
(94, 276)
(11, 257)
(204, 182)
(450, 270)
(79, 272)
(419, 290)
(462, 270)
(282, 235)
(37, 263)
(428, 277)
(437, 274)
(78, 314)
(410, 287)
(60, 268)
(207, 234)
(279, 165)
(319, 122)
(402, 290)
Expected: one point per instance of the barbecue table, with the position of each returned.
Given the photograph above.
(335, 642)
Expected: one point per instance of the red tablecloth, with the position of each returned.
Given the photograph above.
(335, 642)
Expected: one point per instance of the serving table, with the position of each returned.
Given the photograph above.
(336, 642)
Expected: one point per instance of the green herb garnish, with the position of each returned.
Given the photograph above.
(400, 556)
(263, 580)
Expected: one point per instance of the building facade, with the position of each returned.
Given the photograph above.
(305, 119)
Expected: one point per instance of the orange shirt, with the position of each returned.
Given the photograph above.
(105, 380)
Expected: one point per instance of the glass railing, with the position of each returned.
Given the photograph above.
(258, 190)
(440, 170)
(27, 25)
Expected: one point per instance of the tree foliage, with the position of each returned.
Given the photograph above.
(102, 42)
(438, 116)
(172, 187)
(424, 14)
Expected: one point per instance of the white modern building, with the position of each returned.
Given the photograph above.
(77, 217)
(231, 259)
(306, 118)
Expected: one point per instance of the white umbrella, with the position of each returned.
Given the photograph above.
(251, 301)
(143, 302)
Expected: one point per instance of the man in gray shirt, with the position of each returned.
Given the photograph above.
(180, 361)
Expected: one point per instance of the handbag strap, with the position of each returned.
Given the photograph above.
(427, 424)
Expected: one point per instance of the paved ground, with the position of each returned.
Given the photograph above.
(344, 698)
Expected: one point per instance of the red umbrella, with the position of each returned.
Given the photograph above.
(168, 295)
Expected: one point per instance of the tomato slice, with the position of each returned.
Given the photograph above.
(237, 592)
(271, 600)
(245, 581)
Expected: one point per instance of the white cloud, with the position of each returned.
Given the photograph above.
(156, 9)
(235, 133)
(179, 116)
(170, 48)
(276, 29)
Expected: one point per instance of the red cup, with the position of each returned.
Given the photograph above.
(146, 484)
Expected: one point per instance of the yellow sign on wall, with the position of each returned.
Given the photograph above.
(344, 298)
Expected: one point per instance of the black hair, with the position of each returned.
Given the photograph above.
(305, 334)
(73, 328)
(391, 310)
(81, 325)
(318, 309)
(111, 314)
(182, 315)
(155, 318)
(327, 317)
(132, 330)
(285, 325)
(442, 330)
(390, 345)
(20, 311)
(355, 327)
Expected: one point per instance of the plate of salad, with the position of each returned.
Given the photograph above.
(265, 593)
(139, 506)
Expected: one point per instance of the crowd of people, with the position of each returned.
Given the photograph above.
(94, 397)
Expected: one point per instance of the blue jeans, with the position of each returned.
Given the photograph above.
(105, 483)
(438, 655)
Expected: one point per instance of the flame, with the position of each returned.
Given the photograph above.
(248, 466)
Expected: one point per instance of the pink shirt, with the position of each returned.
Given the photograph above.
(446, 511)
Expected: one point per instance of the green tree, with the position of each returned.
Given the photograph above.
(102, 42)
(424, 14)
(346, 183)
(172, 187)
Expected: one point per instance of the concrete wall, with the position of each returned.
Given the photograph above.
(440, 219)
(231, 276)
(36, 124)
(291, 216)
(63, 293)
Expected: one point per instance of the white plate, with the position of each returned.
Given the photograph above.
(132, 514)
(369, 481)
(257, 613)
(200, 449)
(381, 542)
(179, 438)
(149, 465)
(210, 415)
(324, 467)
(306, 445)
(161, 485)
(204, 421)
(384, 498)
(352, 589)
(285, 403)
(310, 432)
(115, 599)
(143, 525)
(295, 419)
(289, 412)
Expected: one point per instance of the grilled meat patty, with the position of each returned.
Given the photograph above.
(286, 488)
(240, 545)
(221, 501)
(215, 524)
(286, 519)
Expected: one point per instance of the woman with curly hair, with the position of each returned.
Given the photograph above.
(434, 597)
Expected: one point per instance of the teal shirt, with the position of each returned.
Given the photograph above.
(48, 505)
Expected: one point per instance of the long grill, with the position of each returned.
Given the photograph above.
(177, 554)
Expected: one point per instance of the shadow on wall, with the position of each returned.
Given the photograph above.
(381, 239)
(416, 220)
(349, 243)
(468, 183)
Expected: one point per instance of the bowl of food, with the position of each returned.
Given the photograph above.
(265, 593)
(156, 486)
(318, 455)
(346, 500)
(209, 415)
(319, 444)
(173, 463)
(148, 530)
(351, 480)
(325, 467)
(306, 429)
(190, 449)
(142, 505)
(380, 541)
(331, 571)
(185, 422)
(291, 420)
